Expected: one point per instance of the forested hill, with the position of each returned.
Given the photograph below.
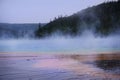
(9, 31)
(102, 20)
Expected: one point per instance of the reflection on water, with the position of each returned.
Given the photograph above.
(60, 67)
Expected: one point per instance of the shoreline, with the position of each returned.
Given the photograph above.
(66, 52)
(78, 56)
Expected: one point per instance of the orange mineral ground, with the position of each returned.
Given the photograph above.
(35, 66)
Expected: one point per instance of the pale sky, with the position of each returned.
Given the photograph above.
(35, 11)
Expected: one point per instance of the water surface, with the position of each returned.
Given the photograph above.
(59, 67)
(62, 44)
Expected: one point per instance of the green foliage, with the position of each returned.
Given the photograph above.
(66, 25)
(107, 16)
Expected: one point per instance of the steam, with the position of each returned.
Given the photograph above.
(85, 43)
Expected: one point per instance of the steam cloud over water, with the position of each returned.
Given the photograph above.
(87, 42)
(82, 46)
(91, 29)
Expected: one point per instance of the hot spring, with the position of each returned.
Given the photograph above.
(62, 44)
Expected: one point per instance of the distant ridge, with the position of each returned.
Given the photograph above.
(11, 31)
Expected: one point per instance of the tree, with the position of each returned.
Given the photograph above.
(39, 25)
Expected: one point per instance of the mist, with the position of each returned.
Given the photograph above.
(89, 30)
(87, 42)
(23, 40)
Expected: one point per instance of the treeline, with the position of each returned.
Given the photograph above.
(63, 25)
(16, 31)
(102, 20)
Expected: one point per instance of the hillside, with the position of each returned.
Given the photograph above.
(102, 20)
(17, 30)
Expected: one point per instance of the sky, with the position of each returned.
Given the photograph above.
(40, 11)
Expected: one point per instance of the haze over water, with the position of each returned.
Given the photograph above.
(26, 49)
(62, 44)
